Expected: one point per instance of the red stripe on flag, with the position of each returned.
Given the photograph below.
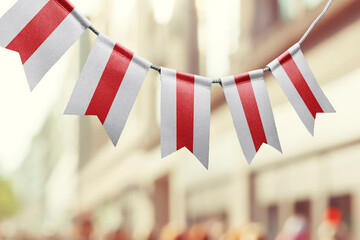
(251, 109)
(40, 28)
(110, 83)
(293, 72)
(185, 87)
(66, 5)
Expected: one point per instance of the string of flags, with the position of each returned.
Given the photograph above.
(41, 31)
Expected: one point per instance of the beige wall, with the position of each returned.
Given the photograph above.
(107, 176)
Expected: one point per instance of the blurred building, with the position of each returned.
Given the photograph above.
(131, 186)
(314, 173)
(46, 181)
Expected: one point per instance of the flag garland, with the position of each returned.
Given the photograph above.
(41, 31)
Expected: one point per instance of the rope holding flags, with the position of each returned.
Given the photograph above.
(41, 31)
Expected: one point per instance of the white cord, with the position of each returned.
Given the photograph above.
(316, 21)
(266, 69)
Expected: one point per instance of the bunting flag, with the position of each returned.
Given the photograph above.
(251, 111)
(185, 114)
(108, 85)
(41, 31)
(299, 84)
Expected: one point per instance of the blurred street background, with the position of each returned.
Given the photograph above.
(61, 178)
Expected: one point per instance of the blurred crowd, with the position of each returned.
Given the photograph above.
(295, 228)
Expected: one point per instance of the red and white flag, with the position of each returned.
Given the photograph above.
(108, 85)
(251, 111)
(299, 84)
(185, 114)
(41, 31)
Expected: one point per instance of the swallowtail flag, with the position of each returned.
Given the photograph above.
(299, 84)
(185, 114)
(41, 31)
(251, 111)
(108, 85)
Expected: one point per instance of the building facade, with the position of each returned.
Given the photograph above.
(131, 186)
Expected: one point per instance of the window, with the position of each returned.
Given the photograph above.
(267, 14)
(291, 9)
(272, 221)
(161, 203)
(344, 204)
(303, 209)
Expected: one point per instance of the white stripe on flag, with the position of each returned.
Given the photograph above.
(293, 95)
(265, 109)
(17, 18)
(109, 85)
(125, 97)
(64, 36)
(239, 118)
(202, 109)
(309, 77)
(90, 76)
(311, 99)
(197, 131)
(168, 112)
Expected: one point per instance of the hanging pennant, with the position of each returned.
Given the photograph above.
(185, 114)
(299, 84)
(251, 111)
(108, 85)
(41, 31)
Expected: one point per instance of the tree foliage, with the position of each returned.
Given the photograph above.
(8, 202)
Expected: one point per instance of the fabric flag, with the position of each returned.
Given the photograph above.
(108, 85)
(185, 114)
(41, 31)
(299, 84)
(251, 111)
